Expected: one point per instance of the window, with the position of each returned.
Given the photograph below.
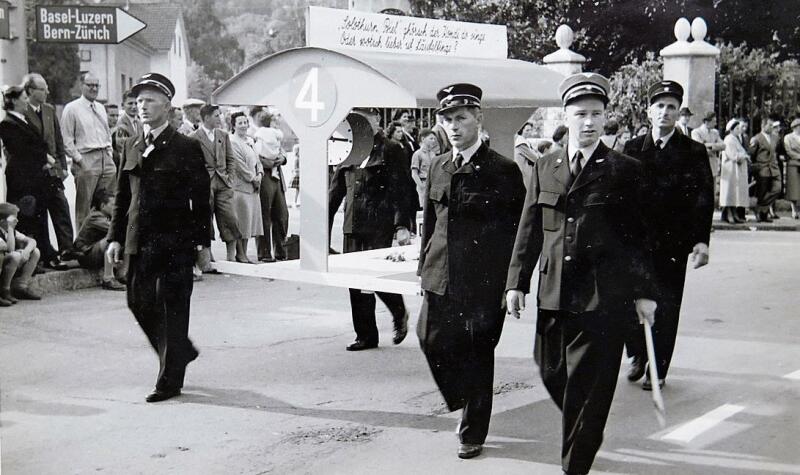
(85, 55)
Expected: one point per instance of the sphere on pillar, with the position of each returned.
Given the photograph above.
(682, 29)
(699, 29)
(564, 37)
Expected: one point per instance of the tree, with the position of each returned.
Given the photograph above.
(210, 44)
(57, 62)
(628, 101)
(612, 33)
(200, 85)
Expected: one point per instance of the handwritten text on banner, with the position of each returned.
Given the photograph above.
(350, 29)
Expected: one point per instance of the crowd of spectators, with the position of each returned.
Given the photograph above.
(246, 153)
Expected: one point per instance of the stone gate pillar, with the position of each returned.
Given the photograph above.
(693, 65)
(566, 62)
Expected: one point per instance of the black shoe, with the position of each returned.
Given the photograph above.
(25, 293)
(56, 264)
(267, 259)
(360, 345)
(400, 330)
(162, 395)
(468, 451)
(636, 371)
(647, 385)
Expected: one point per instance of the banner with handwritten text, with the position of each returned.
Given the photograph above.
(350, 29)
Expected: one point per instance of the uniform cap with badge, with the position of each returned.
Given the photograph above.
(191, 102)
(458, 95)
(582, 85)
(155, 81)
(665, 88)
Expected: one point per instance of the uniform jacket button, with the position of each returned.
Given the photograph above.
(568, 258)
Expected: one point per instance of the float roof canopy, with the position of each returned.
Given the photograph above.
(506, 83)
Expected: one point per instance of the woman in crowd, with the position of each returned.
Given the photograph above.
(610, 136)
(246, 184)
(395, 132)
(295, 185)
(733, 190)
(791, 143)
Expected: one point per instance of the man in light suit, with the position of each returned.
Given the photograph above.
(128, 124)
(472, 210)
(583, 223)
(765, 166)
(220, 164)
(160, 215)
(42, 116)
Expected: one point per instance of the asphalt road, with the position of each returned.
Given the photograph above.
(274, 391)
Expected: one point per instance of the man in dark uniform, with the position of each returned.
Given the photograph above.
(375, 212)
(583, 223)
(472, 210)
(679, 191)
(161, 214)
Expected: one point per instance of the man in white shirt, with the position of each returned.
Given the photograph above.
(87, 140)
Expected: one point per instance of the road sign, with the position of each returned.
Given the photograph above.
(5, 24)
(85, 24)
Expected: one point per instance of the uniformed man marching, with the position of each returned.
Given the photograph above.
(680, 203)
(582, 222)
(161, 215)
(474, 200)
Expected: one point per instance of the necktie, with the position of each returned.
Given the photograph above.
(148, 140)
(459, 161)
(575, 168)
(659, 144)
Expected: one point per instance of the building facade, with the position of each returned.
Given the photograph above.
(161, 47)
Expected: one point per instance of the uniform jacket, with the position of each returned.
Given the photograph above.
(26, 155)
(471, 218)
(219, 157)
(162, 204)
(377, 195)
(765, 159)
(50, 130)
(679, 192)
(589, 240)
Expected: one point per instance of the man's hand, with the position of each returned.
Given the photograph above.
(699, 255)
(515, 302)
(403, 236)
(646, 310)
(50, 159)
(12, 222)
(113, 252)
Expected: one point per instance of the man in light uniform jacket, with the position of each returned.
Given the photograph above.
(582, 222)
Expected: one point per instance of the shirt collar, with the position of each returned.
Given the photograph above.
(585, 151)
(156, 132)
(35, 108)
(18, 116)
(664, 139)
(209, 133)
(468, 152)
(87, 101)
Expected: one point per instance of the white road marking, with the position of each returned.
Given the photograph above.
(795, 375)
(692, 429)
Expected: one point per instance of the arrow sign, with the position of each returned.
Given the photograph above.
(85, 24)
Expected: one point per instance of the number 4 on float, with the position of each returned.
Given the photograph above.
(314, 91)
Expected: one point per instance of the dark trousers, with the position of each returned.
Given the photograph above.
(768, 188)
(579, 358)
(56, 204)
(159, 294)
(362, 304)
(275, 218)
(458, 341)
(670, 273)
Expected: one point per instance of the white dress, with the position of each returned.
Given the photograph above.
(733, 186)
